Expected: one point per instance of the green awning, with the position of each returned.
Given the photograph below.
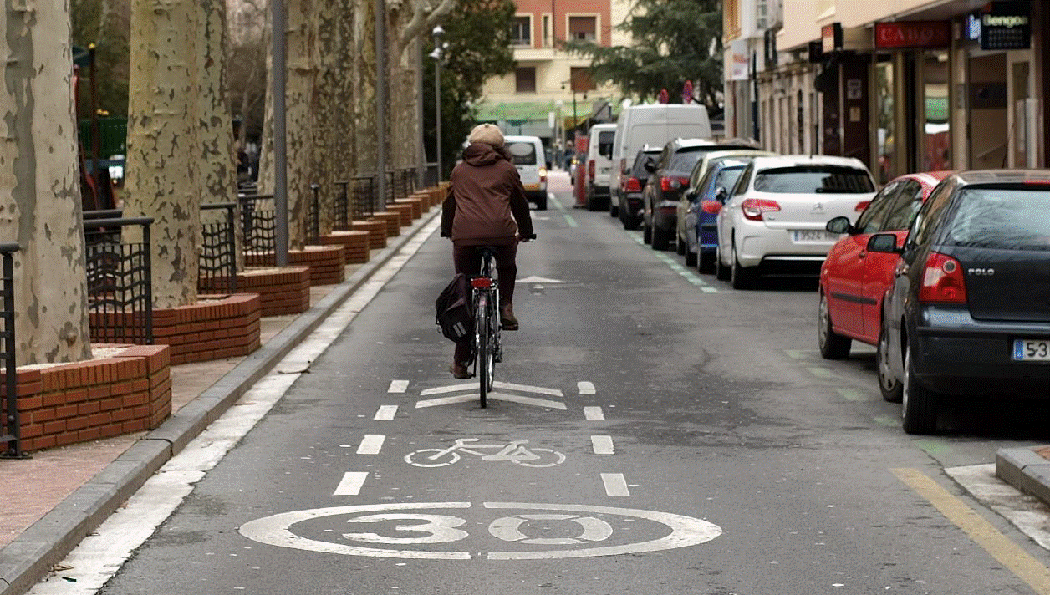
(525, 111)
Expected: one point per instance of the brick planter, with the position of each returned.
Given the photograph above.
(414, 203)
(376, 232)
(356, 245)
(284, 290)
(212, 328)
(392, 220)
(405, 212)
(325, 263)
(125, 389)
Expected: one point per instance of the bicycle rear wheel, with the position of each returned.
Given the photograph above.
(484, 347)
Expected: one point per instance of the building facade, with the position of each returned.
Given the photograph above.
(903, 85)
(551, 90)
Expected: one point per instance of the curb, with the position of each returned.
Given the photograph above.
(28, 559)
(1025, 470)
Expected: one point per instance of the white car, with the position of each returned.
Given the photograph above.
(530, 160)
(773, 222)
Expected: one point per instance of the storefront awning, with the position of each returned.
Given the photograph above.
(523, 111)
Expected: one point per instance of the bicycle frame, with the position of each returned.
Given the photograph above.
(485, 299)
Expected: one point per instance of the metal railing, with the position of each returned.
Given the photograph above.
(217, 264)
(341, 211)
(259, 226)
(11, 429)
(363, 200)
(313, 216)
(120, 292)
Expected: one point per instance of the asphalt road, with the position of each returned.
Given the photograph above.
(657, 432)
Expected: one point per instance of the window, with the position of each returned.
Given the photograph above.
(810, 179)
(583, 28)
(522, 153)
(870, 220)
(547, 31)
(525, 80)
(580, 78)
(1006, 217)
(905, 206)
(521, 31)
(605, 143)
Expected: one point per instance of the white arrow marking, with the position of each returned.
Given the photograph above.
(398, 386)
(446, 400)
(371, 444)
(351, 483)
(494, 396)
(386, 413)
(615, 485)
(538, 280)
(603, 445)
(538, 390)
(585, 388)
(593, 414)
(441, 390)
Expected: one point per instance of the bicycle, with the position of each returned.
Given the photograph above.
(488, 349)
(514, 451)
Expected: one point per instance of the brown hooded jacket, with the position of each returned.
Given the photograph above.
(486, 205)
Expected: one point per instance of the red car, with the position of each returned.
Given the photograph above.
(853, 281)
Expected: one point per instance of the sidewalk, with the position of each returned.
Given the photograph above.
(50, 502)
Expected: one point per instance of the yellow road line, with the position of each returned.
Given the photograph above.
(1008, 553)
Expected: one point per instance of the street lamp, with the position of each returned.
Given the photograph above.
(438, 54)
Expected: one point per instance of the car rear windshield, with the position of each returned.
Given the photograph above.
(605, 143)
(685, 159)
(1003, 217)
(809, 179)
(522, 153)
(639, 164)
(728, 177)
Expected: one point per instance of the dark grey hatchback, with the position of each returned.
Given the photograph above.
(969, 310)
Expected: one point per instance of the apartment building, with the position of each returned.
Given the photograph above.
(904, 85)
(551, 90)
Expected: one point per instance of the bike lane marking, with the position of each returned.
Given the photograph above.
(602, 444)
(398, 386)
(351, 483)
(371, 444)
(593, 414)
(585, 388)
(386, 413)
(615, 485)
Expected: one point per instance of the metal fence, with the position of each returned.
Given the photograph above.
(259, 226)
(120, 293)
(11, 429)
(313, 216)
(363, 200)
(217, 264)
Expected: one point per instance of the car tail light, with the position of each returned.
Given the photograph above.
(942, 280)
(543, 175)
(481, 282)
(633, 185)
(862, 205)
(668, 183)
(754, 207)
(711, 207)
(590, 169)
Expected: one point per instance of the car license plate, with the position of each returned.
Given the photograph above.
(1032, 350)
(808, 236)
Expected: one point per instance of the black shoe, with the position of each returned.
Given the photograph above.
(507, 320)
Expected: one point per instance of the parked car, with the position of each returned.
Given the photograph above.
(632, 184)
(528, 156)
(696, 205)
(853, 280)
(600, 167)
(652, 125)
(705, 202)
(969, 310)
(774, 224)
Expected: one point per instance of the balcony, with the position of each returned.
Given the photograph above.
(527, 54)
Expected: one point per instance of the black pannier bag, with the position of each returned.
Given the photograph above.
(454, 314)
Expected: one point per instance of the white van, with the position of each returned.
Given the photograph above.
(528, 156)
(600, 173)
(653, 124)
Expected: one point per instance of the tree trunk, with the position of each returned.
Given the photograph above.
(40, 204)
(217, 179)
(163, 147)
(326, 99)
(365, 100)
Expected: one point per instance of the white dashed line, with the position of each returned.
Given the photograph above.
(615, 485)
(586, 388)
(593, 414)
(398, 386)
(603, 445)
(352, 482)
(371, 444)
(386, 413)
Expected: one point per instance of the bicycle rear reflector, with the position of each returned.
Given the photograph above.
(481, 282)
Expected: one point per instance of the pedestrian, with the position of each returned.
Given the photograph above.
(486, 206)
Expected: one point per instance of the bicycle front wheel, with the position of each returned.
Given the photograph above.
(484, 344)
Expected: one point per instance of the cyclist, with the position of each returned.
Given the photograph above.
(486, 206)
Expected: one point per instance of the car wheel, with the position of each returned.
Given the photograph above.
(614, 209)
(889, 385)
(647, 232)
(740, 277)
(629, 223)
(680, 246)
(705, 263)
(541, 204)
(920, 404)
(661, 239)
(721, 270)
(690, 258)
(832, 345)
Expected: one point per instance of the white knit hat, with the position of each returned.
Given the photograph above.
(486, 133)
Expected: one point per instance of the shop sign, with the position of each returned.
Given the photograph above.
(1006, 26)
(739, 62)
(831, 36)
(913, 34)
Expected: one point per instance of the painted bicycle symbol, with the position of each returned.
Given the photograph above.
(514, 451)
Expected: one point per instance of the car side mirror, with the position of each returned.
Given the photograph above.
(721, 194)
(839, 225)
(885, 243)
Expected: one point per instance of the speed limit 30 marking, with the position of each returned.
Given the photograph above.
(426, 530)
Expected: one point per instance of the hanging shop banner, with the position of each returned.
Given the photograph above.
(1006, 25)
(913, 34)
(831, 37)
